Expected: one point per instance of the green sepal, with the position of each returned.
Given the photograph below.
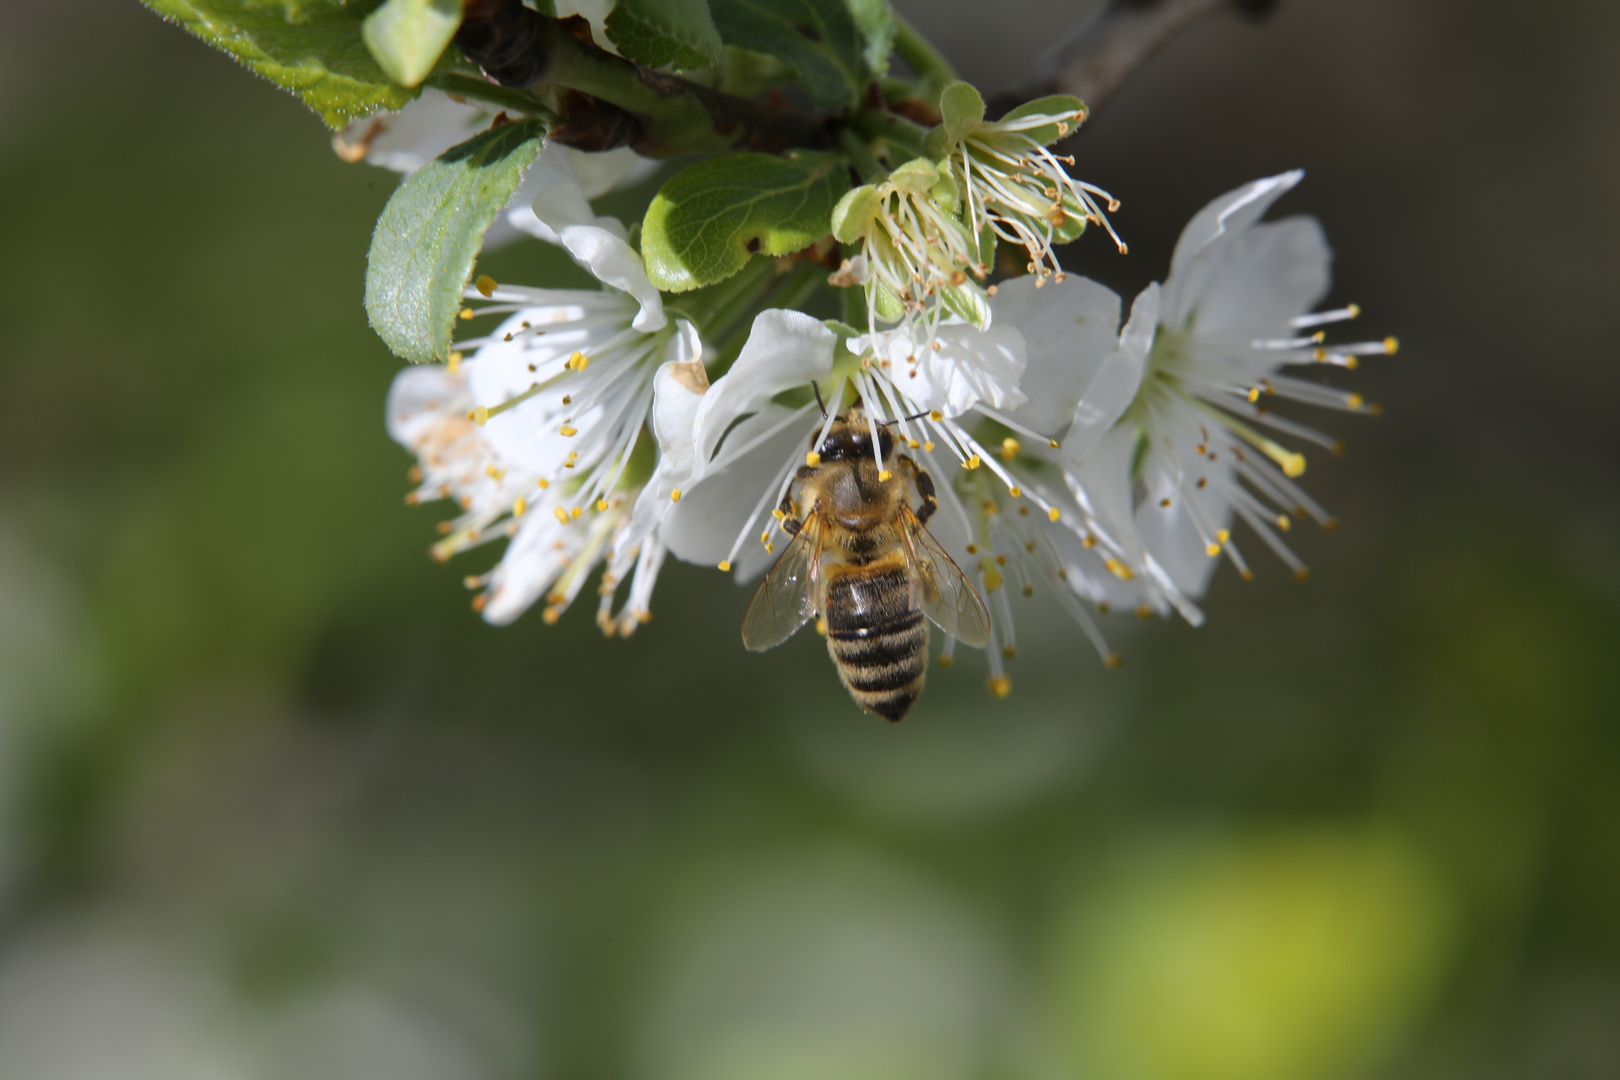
(818, 39)
(1052, 105)
(987, 245)
(968, 303)
(854, 212)
(428, 236)
(407, 37)
(709, 218)
(310, 48)
(916, 177)
(664, 33)
(885, 304)
(961, 110)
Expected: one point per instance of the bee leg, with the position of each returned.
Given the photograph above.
(927, 502)
(791, 526)
(790, 523)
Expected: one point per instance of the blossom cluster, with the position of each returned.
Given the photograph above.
(1104, 456)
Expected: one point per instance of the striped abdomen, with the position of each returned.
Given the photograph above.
(877, 637)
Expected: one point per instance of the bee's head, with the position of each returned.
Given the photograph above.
(850, 438)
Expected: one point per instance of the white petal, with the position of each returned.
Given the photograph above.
(417, 400)
(599, 174)
(537, 554)
(1176, 540)
(1268, 275)
(970, 366)
(1229, 215)
(1117, 380)
(1069, 329)
(785, 349)
(598, 244)
(704, 525)
(406, 140)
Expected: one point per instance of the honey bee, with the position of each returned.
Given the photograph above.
(862, 559)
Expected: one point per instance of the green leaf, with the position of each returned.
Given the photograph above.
(710, 217)
(423, 249)
(816, 38)
(407, 37)
(664, 33)
(312, 48)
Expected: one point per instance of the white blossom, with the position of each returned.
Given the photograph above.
(1167, 445)
(557, 398)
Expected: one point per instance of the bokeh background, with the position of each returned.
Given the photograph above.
(275, 803)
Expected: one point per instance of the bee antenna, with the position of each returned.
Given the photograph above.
(899, 419)
(817, 388)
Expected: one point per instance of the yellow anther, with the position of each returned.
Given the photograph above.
(945, 661)
(1355, 401)
(479, 416)
(1017, 493)
(577, 361)
(1330, 525)
(1254, 394)
(1353, 310)
(972, 462)
(1302, 575)
(573, 459)
(1391, 346)
(1284, 523)
(562, 515)
(466, 313)
(912, 444)
(453, 364)
(725, 565)
(1053, 443)
(821, 627)
(936, 416)
(1120, 570)
(770, 549)
(576, 511)
(601, 505)
(1113, 660)
(973, 549)
(885, 475)
(812, 459)
(551, 615)
(1293, 465)
(485, 284)
(543, 483)
(1144, 612)
(1009, 448)
(778, 515)
(1212, 550)
(765, 537)
(675, 496)
(1000, 686)
(493, 473)
(1001, 560)
(929, 445)
(1052, 514)
(520, 507)
(992, 579)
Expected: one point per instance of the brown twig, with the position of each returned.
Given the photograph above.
(609, 101)
(1101, 54)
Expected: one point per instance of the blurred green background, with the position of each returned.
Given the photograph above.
(275, 803)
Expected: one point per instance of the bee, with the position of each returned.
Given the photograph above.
(862, 560)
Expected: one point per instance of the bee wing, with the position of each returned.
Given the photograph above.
(948, 597)
(785, 600)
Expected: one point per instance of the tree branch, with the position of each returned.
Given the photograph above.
(609, 101)
(1101, 54)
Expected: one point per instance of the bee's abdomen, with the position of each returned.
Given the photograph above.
(878, 639)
